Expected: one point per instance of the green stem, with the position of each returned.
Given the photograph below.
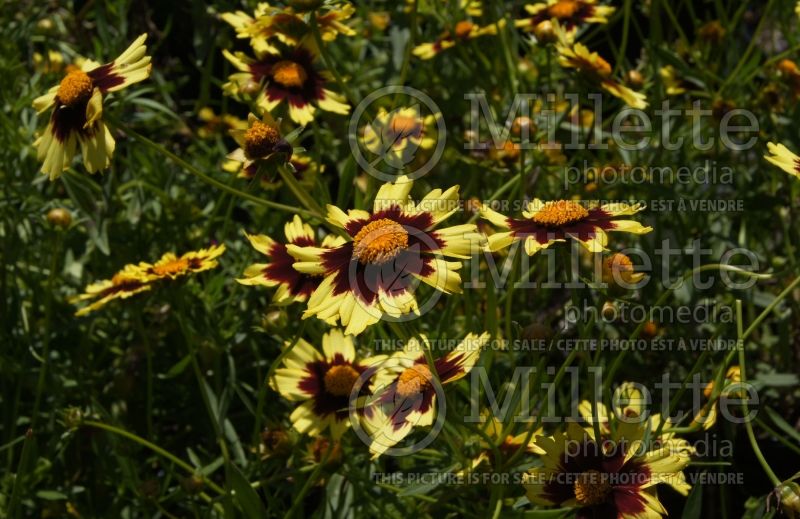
(310, 481)
(48, 319)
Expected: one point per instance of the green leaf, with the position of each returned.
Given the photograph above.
(245, 495)
(694, 504)
(51, 495)
(177, 368)
(782, 424)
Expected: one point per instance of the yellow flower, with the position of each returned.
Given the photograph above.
(608, 477)
(672, 83)
(324, 383)
(216, 124)
(131, 280)
(783, 158)
(260, 141)
(397, 136)
(570, 14)
(596, 69)
(618, 271)
(374, 272)
(462, 31)
(77, 109)
(546, 223)
(172, 266)
(407, 389)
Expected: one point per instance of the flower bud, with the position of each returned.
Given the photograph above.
(59, 217)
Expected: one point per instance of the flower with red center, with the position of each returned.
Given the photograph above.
(608, 478)
(269, 24)
(77, 109)
(131, 280)
(397, 136)
(783, 158)
(463, 31)
(386, 251)
(172, 266)
(324, 383)
(408, 398)
(289, 76)
(594, 68)
(571, 14)
(279, 272)
(546, 223)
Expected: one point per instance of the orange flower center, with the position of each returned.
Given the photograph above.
(76, 87)
(414, 380)
(174, 266)
(564, 9)
(404, 126)
(464, 28)
(260, 139)
(339, 380)
(379, 241)
(561, 212)
(289, 74)
(591, 488)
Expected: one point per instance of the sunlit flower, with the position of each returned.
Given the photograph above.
(596, 69)
(783, 158)
(269, 24)
(463, 31)
(324, 382)
(409, 397)
(374, 273)
(214, 124)
(570, 14)
(172, 266)
(546, 223)
(279, 272)
(604, 478)
(259, 142)
(289, 76)
(396, 136)
(131, 280)
(77, 103)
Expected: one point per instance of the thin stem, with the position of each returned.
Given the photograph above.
(310, 481)
(48, 318)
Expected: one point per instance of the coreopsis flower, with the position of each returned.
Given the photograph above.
(286, 77)
(214, 124)
(570, 14)
(52, 64)
(258, 143)
(596, 69)
(463, 31)
(270, 24)
(77, 110)
(706, 417)
(304, 169)
(783, 158)
(507, 445)
(673, 84)
(396, 136)
(618, 270)
(604, 478)
(546, 223)
(408, 398)
(279, 272)
(373, 273)
(324, 383)
(131, 280)
(172, 266)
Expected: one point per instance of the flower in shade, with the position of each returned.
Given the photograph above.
(258, 143)
(396, 136)
(304, 169)
(706, 417)
(463, 31)
(570, 14)
(214, 124)
(506, 444)
(546, 223)
(279, 272)
(286, 77)
(673, 84)
(77, 109)
(596, 69)
(618, 270)
(131, 280)
(172, 266)
(780, 156)
(386, 251)
(408, 397)
(604, 477)
(269, 24)
(324, 382)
